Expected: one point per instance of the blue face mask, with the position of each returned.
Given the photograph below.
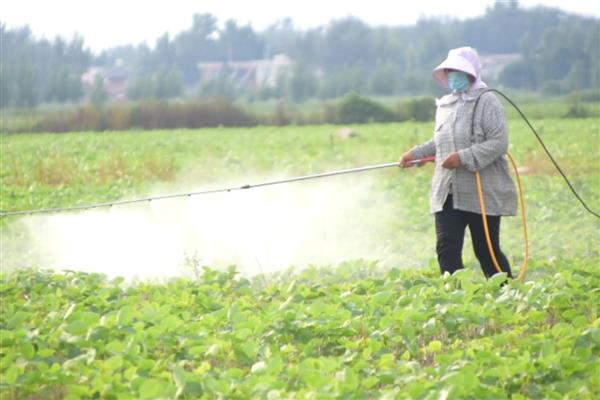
(458, 81)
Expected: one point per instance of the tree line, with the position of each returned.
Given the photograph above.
(34, 71)
(560, 53)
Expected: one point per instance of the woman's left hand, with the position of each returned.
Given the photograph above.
(452, 161)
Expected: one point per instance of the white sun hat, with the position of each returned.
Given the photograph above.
(463, 59)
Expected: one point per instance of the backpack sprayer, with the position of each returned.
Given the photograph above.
(418, 162)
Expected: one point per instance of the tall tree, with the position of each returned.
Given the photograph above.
(239, 43)
(196, 45)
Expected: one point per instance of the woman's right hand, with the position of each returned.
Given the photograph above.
(405, 160)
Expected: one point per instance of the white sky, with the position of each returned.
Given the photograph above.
(109, 23)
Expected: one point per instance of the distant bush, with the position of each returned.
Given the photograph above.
(552, 87)
(590, 95)
(147, 115)
(418, 109)
(577, 110)
(199, 113)
(355, 109)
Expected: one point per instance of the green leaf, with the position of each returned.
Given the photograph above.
(580, 321)
(113, 363)
(387, 361)
(233, 373)
(497, 279)
(151, 389)
(6, 338)
(27, 350)
(369, 382)
(115, 347)
(248, 350)
(179, 376)
(435, 346)
(193, 390)
(78, 392)
(125, 315)
(77, 328)
(383, 296)
(11, 374)
(317, 308)
(235, 314)
(18, 318)
(347, 379)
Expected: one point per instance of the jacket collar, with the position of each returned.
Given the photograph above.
(468, 96)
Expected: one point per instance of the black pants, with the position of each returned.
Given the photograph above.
(450, 227)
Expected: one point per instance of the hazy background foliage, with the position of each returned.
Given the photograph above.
(560, 53)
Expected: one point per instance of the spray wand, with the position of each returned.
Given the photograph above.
(417, 163)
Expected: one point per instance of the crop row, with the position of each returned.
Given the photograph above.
(346, 332)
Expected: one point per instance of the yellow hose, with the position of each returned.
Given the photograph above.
(523, 218)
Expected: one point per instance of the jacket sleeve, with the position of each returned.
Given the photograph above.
(426, 149)
(495, 143)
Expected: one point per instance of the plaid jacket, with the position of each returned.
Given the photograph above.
(481, 150)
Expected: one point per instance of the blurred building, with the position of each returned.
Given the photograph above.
(114, 78)
(250, 73)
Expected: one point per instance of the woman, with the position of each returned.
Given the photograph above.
(459, 153)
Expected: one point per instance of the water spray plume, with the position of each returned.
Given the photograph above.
(259, 231)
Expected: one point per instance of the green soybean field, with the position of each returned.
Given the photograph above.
(360, 312)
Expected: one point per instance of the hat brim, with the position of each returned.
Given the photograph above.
(455, 62)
